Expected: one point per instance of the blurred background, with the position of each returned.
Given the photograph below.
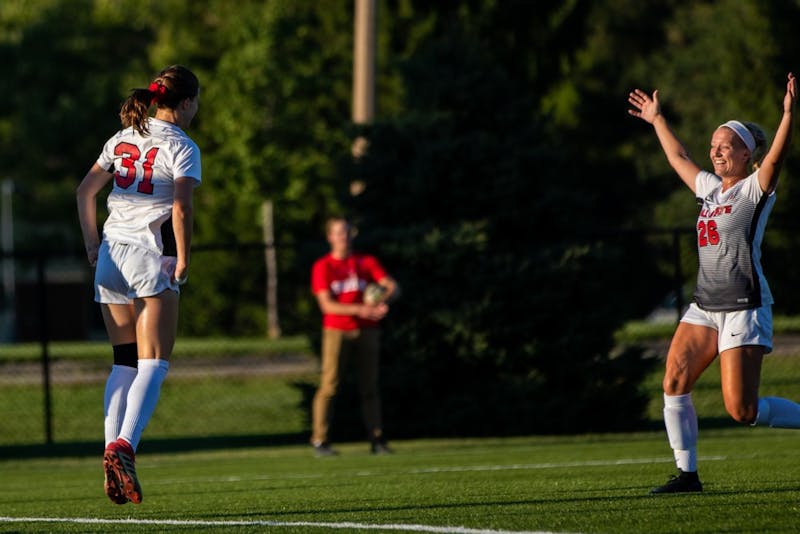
(485, 153)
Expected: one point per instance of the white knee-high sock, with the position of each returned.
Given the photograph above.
(680, 420)
(778, 413)
(142, 399)
(115, 399)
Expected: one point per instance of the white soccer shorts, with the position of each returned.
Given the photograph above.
(125, 272)
(736, 328)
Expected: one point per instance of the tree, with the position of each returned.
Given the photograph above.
(55, 114)
(507, 320)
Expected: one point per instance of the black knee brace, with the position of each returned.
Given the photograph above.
(126, 354)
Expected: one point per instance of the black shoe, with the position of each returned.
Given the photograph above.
(685, 482)
(323, 449)
(380, 447)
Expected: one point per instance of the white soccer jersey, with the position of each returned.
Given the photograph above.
(145, 168)
(730, 229)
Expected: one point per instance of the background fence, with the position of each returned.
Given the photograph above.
(54, 356)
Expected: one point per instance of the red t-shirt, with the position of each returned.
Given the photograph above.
(346, 280)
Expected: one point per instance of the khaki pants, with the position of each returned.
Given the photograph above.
(339, 346)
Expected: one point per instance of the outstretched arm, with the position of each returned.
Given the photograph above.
(648, 109)
(770, 166)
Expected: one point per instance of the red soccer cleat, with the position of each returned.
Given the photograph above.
(121, 482)
(112, 486)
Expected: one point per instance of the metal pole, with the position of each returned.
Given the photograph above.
(363, 111)
(7, 312)
(364, 62)
(44, 339)
(273, 328)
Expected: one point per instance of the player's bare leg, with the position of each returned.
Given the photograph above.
(740, 370)
(155, 325)
(740, 374)
(692, 350)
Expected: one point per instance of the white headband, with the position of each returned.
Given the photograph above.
(743, 133)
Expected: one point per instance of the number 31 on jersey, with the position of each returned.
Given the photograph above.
(130, 154)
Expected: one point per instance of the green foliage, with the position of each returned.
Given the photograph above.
(506, 187)
(269, 127)
(505, 293)
(59, 75)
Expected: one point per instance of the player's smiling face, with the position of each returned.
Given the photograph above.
(728, 154)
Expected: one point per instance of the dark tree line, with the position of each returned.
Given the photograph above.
(506, 188)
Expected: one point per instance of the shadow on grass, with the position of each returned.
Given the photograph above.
(166, 445)
(153, 445)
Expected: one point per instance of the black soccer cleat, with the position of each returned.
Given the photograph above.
(685, 482)
(324, 449)
(380, 447)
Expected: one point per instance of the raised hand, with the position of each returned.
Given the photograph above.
(646, 108)
(791, 93)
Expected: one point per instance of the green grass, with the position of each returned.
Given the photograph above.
(207, 347)
(590, 483)
(595, 484)
(204, 407)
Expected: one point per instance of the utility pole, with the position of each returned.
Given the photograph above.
(7, 304)
(363, 78)
(273, 326)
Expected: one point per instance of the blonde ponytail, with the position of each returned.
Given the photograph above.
(761, 143)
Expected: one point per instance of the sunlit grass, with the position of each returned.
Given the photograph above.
(593, 483)
(210, 347)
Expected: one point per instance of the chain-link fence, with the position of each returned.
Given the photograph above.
(233, 384)
(215, 389)
(228, 380)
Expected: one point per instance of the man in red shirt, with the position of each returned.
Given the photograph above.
(350, 328)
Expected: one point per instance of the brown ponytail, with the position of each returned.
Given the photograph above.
(134, 110)
(173, 85)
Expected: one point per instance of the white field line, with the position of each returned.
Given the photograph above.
(331, 525)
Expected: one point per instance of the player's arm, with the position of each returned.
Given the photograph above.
(182, 219)
(648, 109)
(94, 181)
(330, 306)
(770, 166)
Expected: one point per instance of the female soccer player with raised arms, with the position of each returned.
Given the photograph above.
(143, 257)
(732, 310)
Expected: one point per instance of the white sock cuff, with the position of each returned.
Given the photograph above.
(154, 363)
(677, 401)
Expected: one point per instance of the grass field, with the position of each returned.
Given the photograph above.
(595, 484)
(246, 480)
